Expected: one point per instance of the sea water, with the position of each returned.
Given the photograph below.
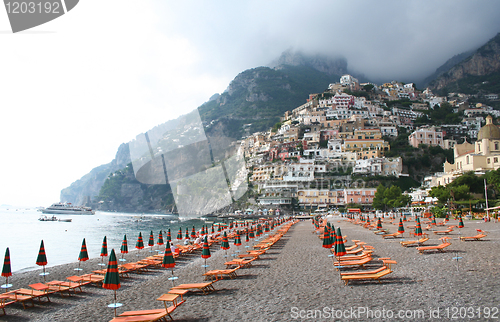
(22, 232)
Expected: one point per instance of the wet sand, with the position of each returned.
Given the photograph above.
(295, 280)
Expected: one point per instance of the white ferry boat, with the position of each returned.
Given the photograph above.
(67, 209)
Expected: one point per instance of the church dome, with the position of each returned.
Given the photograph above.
(489, 131)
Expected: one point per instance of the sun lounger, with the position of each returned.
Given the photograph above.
(4, 301)
(145, 315)
(376, 276)
(221, 272)
(35, 295)
(375, 271)
(50, 287)
(439, 247)
(204, 287)
(79, 280)
(393, 235)
(19, 298)
(359, 263)
(93, 278)
(364, 255)
(419, 242)
(480, 234)
(239, 262)
(449, 230)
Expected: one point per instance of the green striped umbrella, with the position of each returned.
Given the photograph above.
(433, 222)
(418, 228)
(379, 223)
(160, 237)
(193, 233)
(251, 234)
(237, 239)
(213, 230)
(83, 256)
(333, 236)
(203, 231)
(326, 238)
(225, 243)
(168, 258)
(447, 218)
(6, 270)
(187, 234)
(112, 277)
(179, 234)
(140, 243)
(247, 238)
(151, 241)
(169, 235)
(460, 222)
(205, 253)
(401, 228)
(124, 248)
(104, 251)
(339, 244)
(41, 260)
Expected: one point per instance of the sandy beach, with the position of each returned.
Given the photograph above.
(296, 280)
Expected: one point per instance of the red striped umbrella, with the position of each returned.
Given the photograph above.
(418, 228)
(104, 248)
(460, 222)
(6, 270)
(213, 230)
(160, 237)
(83, 256)
(151, 241)
(237, 239)
(251, 235)
(193, 233)
(124, 248)
(225, 243)
(112, 277)
(205, 253)
(379, 223)
(339, 244)
(401, 228)
(326, 238)
(179, 234)
(41, 260)
(187, 234)
(168, 258)
(203, 231)
(140, 243)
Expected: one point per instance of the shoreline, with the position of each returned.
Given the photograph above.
(296, 278)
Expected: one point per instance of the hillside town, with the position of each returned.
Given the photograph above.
(316, 157)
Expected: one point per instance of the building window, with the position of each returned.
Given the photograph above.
(496, 145)
(467, 159)
(495, 160)
(488, 160)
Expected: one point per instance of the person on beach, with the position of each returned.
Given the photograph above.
(173, 248)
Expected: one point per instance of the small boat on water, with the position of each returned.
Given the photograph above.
(45, 218)
(66, 220)
(67, 209)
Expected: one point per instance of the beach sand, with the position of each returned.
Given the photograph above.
(295, 280)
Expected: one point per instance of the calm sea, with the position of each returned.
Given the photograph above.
(22, 232)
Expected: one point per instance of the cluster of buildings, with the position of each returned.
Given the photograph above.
(322, 149)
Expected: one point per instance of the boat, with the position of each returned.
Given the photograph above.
(45, 218)
(66, 220)
(67, 209)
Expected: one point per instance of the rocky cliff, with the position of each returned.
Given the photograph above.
(485, 61)
(82, 191)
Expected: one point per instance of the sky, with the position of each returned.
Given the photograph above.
(75, 88)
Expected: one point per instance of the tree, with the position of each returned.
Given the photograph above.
(378, 199)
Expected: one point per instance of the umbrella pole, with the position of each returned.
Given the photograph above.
(44, 274)
(172, 276)
(115, 304)
(205, 265)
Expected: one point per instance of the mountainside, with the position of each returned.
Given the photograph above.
(254, 101)
(83, 190)
(450, 63)
(469, 75)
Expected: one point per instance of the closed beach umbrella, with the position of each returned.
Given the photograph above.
(41, 260)
(339, 244)
(205, 253)
(246, 238)
(379, 223)
(193, 233)
(326, 238)
(401, 228)
(104, 248)
(112, 277)
(203, 231)
(151, 241)
(6, 270)
(213, 230)
(140, 243)
(179, 234)
(124, 248)
(251, 234)
(446, 218)
(433, 222)
(418, 228)
(460, 222)
(225, 243)
(168, 258)
(187, 234)
(84, 255)
(160, 237)
(237, 239)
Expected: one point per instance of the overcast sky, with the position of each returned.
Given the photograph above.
(72, 90)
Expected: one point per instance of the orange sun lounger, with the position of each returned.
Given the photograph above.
(375, 276)
(204, 287)
(360, 262)
(145, 315)
(445, 243)
(419, 242)
(393, 235)
(481, 234)
(221, 272)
